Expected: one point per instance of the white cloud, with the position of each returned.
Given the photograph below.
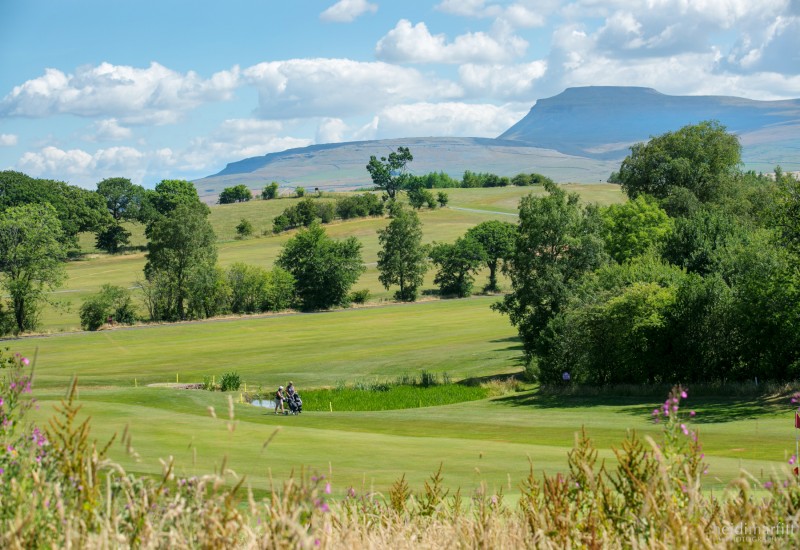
(446, 119)
(109, 130)
(8, 140)
(526, 13)
(152, 95)
(301, 88)
(503, 81)
(345, 11)
(331, 130)
(408, 43)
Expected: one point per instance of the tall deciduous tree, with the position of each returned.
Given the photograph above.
(402, 258)
(165, 198)
(324, 270)
(558, 241)
(699, 157)
(457, 263)
(181, 244)
(238, 193)
(631, 228)
(31, 254)
(497, 240)
(389, 173)
(123, 199)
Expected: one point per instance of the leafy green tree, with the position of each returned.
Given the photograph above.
(787, 211)
(632, 227)
(78, 210)
(300, 192)
(181, 244)
(238, 193)
(402, 257)
(31, 255)
(123, 199)
(111, 302)
(323, 269)
(167, 196)
(695, 240)
(270, 191)
(208, 293)
(700, 157)
(457, 263)
(244, 228)
(389, 174)
(124, 202)
(497, 239)
(419, 197)
(280, 290)
(558, 242)
(112, 238)
(442, 198)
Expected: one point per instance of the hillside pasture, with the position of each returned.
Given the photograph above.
(469, 207)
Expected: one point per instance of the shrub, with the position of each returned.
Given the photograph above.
(270, 191)
(359, 296)
(112, 302)
(244, 229)
(230, 381)
(300, 191)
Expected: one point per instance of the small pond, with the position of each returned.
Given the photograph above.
(267, 403)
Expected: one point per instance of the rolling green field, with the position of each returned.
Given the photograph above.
(127, 378)
(489, 440)
(469, 207)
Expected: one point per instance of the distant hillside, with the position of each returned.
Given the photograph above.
(604, 121)
(343, 165)
(579, 135)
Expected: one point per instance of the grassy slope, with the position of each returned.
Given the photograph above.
(86, 276)
(487, 440)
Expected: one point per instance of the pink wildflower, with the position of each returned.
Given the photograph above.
(328, 488)
(793, 459)
(684, 395)
(692, 413)
(26, 361)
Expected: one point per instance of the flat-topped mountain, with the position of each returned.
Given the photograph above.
(604, 121)
(579, 135)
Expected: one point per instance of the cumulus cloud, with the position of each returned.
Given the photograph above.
(408, 43)
(81, 167)
(445, 119)
(345, 11)
(503, 81)
(301, 88)
(109, 130)
(331, 130)
(526, 13)
(8, 140)
(152, 95)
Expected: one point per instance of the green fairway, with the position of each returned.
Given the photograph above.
(485, 441)
(489, 440)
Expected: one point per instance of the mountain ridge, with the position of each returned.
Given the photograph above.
(579, 135)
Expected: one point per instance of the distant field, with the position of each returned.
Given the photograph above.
(470, 207)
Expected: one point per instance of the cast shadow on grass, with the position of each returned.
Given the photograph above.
(710, 408)
(517, 345)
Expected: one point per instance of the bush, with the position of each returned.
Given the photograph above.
(359, 296)
(244, 229)
(270, 191)
(300, 191)
(230, 381)
(112, 302)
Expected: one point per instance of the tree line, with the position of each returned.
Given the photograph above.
(696, 277)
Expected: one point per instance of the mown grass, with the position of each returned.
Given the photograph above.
(392, 398)
(462, 337)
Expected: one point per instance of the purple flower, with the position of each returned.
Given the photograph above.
(25, 361)
(793, 459)
(692, 413)
(684, 429)
(768, 485)
(565, 377)
(684, 395)
(328, 488)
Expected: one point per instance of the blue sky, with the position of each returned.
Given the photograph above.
(148, 90)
